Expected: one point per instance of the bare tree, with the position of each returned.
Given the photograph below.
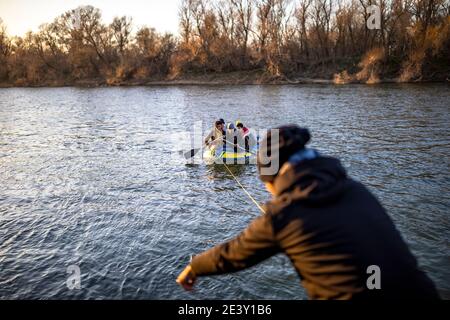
(302, 16)
(186, 20)
(121, 30)
(5, 49)
(244, 17)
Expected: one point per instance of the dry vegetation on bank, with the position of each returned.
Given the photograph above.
(237, 41)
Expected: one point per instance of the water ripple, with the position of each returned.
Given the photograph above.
(88, 179)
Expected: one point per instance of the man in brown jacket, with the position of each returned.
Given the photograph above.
(331, 227)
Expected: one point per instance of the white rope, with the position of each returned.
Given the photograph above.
(240, 147)
(237, 181)
(245, 190)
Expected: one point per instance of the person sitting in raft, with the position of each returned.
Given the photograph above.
(339, 238)
(231, 128)
(216, 136)
(232, 136)
(240, 126)
(245, 135)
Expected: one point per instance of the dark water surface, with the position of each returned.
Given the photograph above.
(88, 178)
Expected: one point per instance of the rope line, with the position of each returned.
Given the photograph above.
(245, 190)
(241, 147)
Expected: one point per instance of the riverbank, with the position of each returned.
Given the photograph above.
(231, 78)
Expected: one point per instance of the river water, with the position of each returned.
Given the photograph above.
(89, 179)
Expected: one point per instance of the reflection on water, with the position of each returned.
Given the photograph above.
(88, 178)
(218, 171)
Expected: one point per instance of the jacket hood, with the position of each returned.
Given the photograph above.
(319, 179)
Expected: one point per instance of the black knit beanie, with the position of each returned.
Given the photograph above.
(291, 139)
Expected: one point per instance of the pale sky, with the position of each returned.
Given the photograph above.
(21, 16)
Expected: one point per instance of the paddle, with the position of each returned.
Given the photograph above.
(191, 153)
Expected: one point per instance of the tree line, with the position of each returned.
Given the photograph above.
(277, 39)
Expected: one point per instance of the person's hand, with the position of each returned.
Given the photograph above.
(187, 278)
